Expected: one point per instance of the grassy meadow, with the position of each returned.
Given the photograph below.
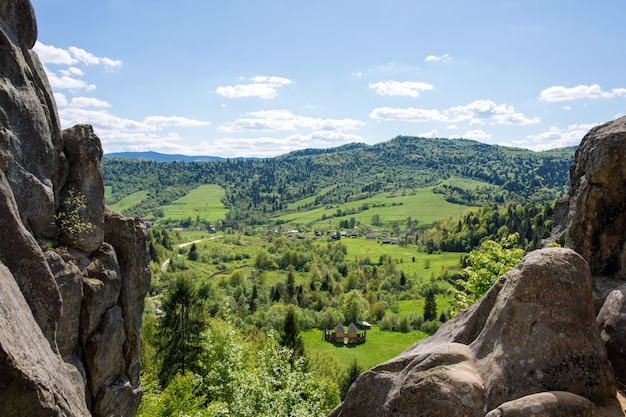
(379, 347)
(204, 202)
(421, 205)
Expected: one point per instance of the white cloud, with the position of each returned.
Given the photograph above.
(407, 114)
(88, 102)
(432, 134)
(60, 99)
(475, 113)
(438, 58)
(556, 137)
(561, 93)
(479, 111)
(67, 82)
(166, 121)
(399, 88)
(262, 86)
(284, 120)
(49, 54)
(477, 134)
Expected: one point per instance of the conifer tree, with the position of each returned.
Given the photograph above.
(430, 306)
(290, 335)
(180, 328)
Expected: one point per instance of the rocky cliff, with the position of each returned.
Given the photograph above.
(73, 276)
(549, 338)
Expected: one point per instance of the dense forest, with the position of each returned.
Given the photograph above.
(259, 189)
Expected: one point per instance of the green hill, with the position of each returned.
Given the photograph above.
(440, 177)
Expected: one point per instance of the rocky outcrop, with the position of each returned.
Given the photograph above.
(73, 276)
(591, 219)
(533, 332)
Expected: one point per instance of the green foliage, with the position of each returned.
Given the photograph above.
(71, 218)
(180, 327)
(353, 372)
(355, 307)
(485, 266)
(430, 306)
(290, 335)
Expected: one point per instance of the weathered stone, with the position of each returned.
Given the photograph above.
(612, 322)
(101, 289)
(534, 331)
(34, 380)
(22, 255)
(104, 358)
(591, 219)
(542, 334)
(547, 404)
(70, 282)
(84, 152)
(130, 239)
(119, 399)
(75, 294)
(31, 152)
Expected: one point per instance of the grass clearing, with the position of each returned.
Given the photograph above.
(379, 347)
(129, 201)
(422, 205)
(204, 202)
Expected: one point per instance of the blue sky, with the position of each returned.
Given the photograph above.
(262, 78)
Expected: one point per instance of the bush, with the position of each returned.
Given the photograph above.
(430, 326)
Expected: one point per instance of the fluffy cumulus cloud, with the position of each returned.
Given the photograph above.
(556, 137)
(70, 76)
(594, 91)
(438, 58)
(475, 113)
(481, 111)
(49, 54)
(262, 86)
(400, 88)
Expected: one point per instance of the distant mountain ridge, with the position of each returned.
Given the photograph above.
(162, 157)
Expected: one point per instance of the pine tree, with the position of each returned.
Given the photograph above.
(180, 329)
(290, 335)
(430, 306)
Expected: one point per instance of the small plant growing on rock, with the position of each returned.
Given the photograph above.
(71, 218)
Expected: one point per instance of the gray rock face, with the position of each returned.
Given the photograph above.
(612, 321)
(592, 218)
(592, 221)
(84, 153)
(533, 332)
(72, 299)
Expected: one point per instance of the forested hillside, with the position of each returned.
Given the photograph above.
(256, 191)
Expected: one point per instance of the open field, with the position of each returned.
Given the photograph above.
(204, 202)
(379, 347)
(129, 201)
(421, 205)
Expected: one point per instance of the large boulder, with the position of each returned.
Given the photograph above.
(591, 220)
(534, 331)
